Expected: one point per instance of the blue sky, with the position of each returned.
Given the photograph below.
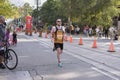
(31, 2)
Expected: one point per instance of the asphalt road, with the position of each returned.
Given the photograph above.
(37, 61)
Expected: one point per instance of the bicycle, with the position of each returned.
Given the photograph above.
(10, 57)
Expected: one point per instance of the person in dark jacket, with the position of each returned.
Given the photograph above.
(2, 39)
(106, 33)
(14, 38)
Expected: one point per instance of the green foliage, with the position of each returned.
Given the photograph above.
(25, 10)
(93, 12)
(8, 10)
(50, 11)
(11, 11)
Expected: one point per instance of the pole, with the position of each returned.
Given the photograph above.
(40, 31)
(37, 15)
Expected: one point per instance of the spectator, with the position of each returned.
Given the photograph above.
(7, 34)
(77, 29)
(90, 31)
(97, 31)
(2, 39)
(111, 30)
(14, 38)
(106, 33)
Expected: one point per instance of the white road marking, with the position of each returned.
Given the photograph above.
(44, 44)
(100, 71)
(23, 56)
(83, 59)
(95, 64)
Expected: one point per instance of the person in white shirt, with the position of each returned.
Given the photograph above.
(97, 31)
(111, 30)
(77, 29)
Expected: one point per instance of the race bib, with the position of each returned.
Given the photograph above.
(59, 35)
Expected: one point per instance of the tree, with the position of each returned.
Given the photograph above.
(93, 12)
(8, 10)
(25, 10)
(49, 11)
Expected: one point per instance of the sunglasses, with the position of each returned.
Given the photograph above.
(58, 21)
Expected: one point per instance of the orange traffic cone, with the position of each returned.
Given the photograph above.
(80, 42)
(66, 38)
(94, 44)
(111, 48)
(46, 35)
(71, 40)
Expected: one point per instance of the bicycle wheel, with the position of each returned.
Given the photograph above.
(11, 59)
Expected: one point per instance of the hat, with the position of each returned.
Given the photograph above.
(58, 20)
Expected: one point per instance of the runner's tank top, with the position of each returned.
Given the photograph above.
(58, 35)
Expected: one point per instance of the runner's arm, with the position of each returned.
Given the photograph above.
(53, 31)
